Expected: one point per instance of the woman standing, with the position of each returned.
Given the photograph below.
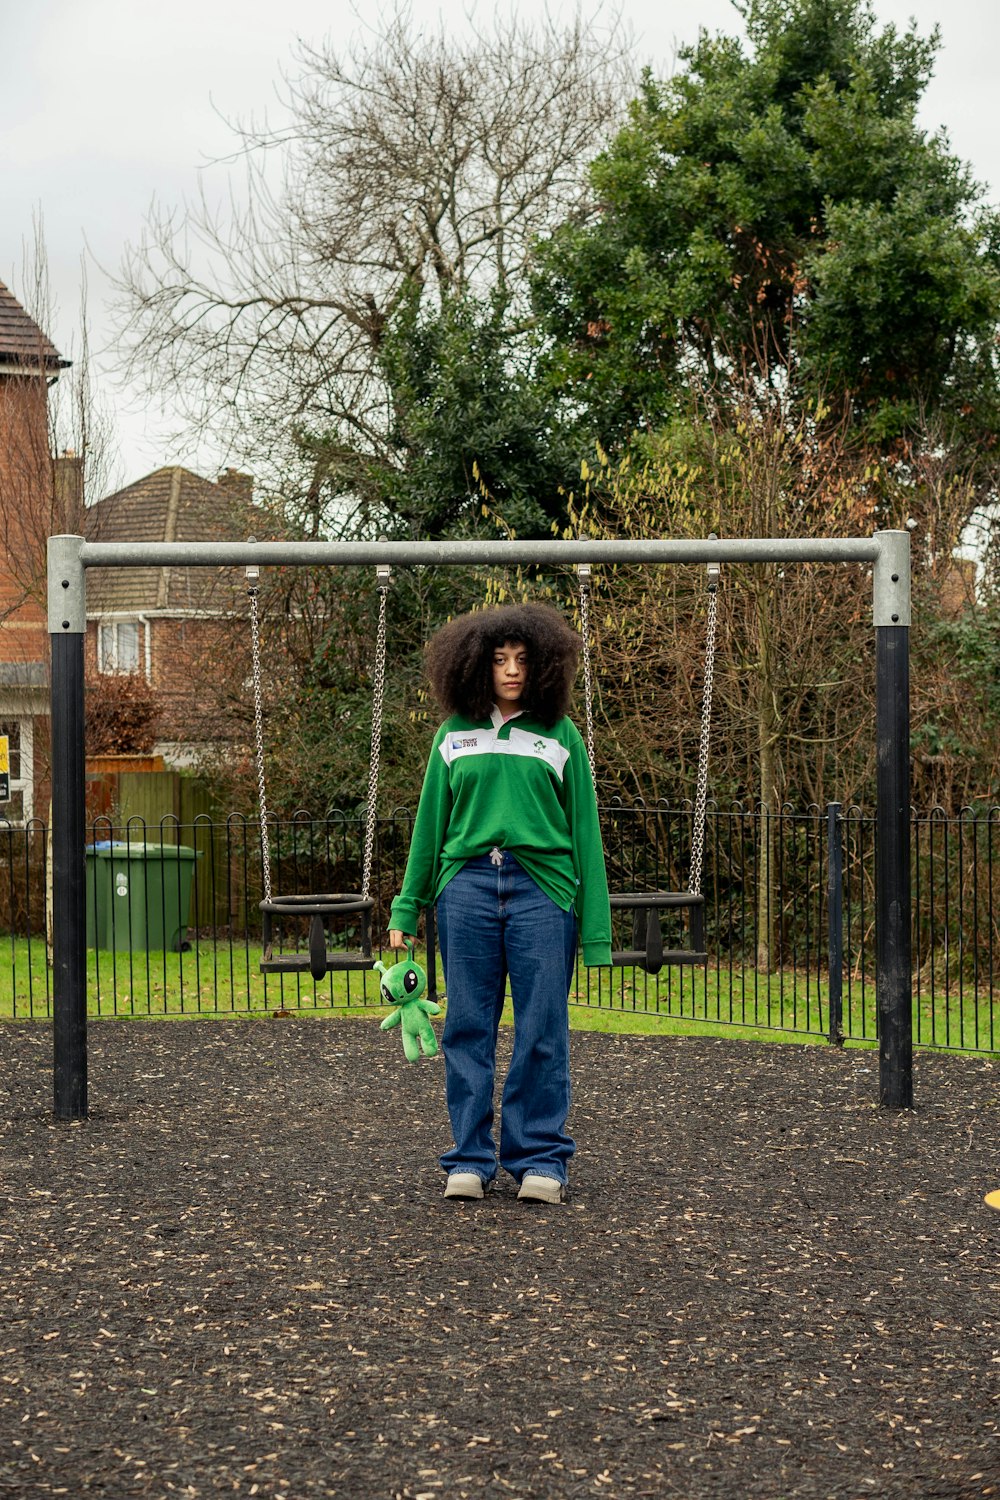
(507, 841)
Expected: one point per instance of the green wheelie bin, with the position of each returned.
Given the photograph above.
(139, 895)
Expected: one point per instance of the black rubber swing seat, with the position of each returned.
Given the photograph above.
(319, 960)
(652, 956)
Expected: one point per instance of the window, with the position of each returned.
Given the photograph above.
(18, 809)
(118, 646)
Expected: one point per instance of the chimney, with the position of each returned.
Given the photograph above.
(67, 485)
(237, 487)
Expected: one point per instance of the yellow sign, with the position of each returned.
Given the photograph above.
(4, 768)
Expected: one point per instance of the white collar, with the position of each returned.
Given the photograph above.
(497, 719)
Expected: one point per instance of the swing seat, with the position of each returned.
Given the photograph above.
(652, 956)
(319, 960)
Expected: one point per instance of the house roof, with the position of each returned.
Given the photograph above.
(172, 505)
(23, 345)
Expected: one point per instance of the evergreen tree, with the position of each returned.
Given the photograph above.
(776, 208)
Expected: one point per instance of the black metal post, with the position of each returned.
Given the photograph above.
(69, 879)
(892, 866)
(835, 922)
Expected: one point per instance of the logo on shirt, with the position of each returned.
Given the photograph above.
(540, 746)
(469, 743)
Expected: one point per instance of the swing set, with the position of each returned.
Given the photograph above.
(886, 555)
(322, 910)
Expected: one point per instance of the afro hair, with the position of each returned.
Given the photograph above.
(460, 660)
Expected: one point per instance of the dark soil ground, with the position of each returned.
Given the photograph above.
(240, 1277)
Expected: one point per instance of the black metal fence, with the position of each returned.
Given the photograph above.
(789, 918)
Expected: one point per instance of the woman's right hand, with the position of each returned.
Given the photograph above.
(399, 939)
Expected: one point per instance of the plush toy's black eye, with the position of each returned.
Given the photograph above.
(410, 981)
(385, 990)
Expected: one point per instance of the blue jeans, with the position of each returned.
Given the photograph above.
(493, 920)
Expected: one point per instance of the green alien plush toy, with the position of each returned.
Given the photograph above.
(402, 986)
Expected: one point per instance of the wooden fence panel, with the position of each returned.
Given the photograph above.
(195, 810)
(150, 796)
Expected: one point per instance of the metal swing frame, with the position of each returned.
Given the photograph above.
(319, 959)
(647, 951)
(885, 555)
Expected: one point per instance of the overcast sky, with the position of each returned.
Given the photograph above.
(108, 104)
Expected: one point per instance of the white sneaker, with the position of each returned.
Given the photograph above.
(464, 1185)
(541, 1189)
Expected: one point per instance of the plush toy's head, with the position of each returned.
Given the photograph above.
(403, 981)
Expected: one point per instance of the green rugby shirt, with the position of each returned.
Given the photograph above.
(518, 785)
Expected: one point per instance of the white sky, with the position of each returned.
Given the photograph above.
(108, 104)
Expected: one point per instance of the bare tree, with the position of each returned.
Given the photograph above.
(58, 436)
(47, 432)
(790, 676)
(413, 160)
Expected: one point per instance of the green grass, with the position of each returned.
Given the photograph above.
(216, 980)
(207, 980)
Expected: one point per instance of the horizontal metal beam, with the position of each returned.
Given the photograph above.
(490, 554)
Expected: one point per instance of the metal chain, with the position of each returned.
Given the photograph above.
(378, 697)
(583, 570)
(258, 717)
(701, 786)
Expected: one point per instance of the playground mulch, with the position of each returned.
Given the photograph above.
(239, 1276)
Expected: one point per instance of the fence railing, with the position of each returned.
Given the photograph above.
(789, 918)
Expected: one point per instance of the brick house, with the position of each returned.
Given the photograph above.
(184, 629)
(35, 500)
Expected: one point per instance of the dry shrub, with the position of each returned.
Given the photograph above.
(121, 715)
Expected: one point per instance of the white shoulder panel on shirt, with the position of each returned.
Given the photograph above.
(459, 742)
(521, 742)
(537, 747)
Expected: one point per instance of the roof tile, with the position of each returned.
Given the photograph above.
(22, 342)
(170, 505)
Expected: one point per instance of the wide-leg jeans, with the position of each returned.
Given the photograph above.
(494, 921)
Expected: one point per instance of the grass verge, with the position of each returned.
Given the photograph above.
(222, 979)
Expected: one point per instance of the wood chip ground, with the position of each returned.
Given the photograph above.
(239, 1276)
